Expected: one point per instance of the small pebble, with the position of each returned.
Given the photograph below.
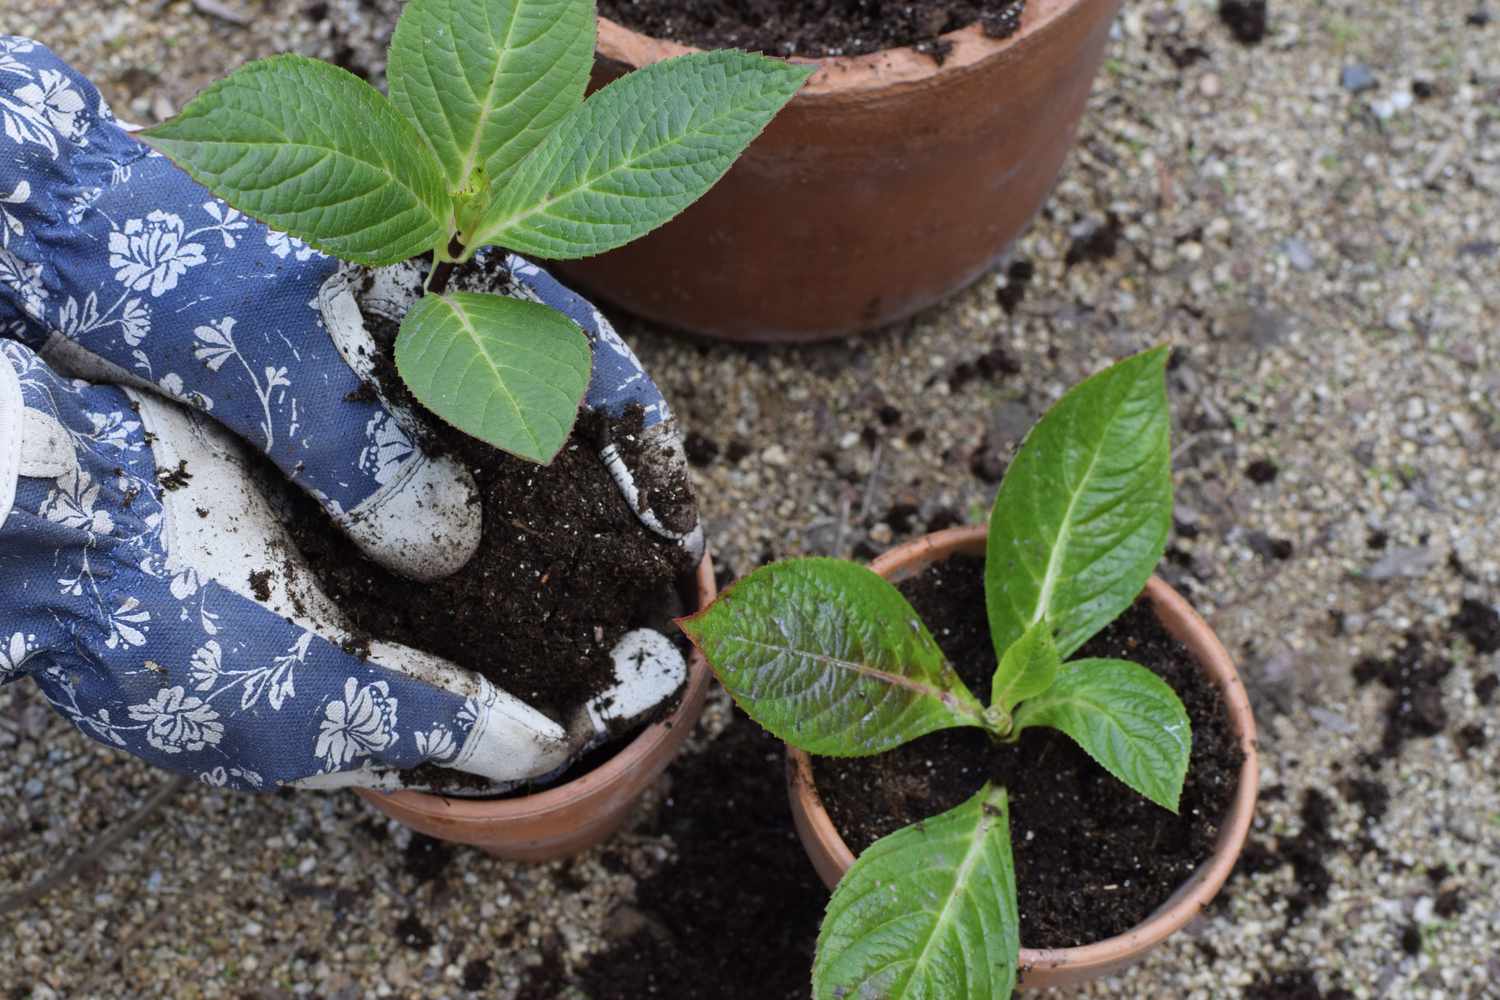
(775, 456)
(1357, 78)
(1297, 254)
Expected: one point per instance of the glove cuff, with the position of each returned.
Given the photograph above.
(12, 412)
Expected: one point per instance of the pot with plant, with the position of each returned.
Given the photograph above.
(928, 137)
(1094, 756)
(470, 591)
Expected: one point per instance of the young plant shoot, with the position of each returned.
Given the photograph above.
(830, 657)
(485, 140)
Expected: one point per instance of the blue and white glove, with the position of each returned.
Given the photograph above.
(169, 615)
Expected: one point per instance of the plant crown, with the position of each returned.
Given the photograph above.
(485, 140)
(830, 657)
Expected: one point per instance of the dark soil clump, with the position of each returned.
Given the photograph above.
(1480, 624)
(735, 915)
(1246, 20)
(1018, 278)
(411, 932)
(1093, 858)
(426, 858)
(1484, 689)
(476, 974)
(1414, 676)
(1307, 853)
(1094, 240)
(1293, 984)
(564, 567)
(815, 28)
(260, 585)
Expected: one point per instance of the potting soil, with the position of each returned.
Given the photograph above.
(814, 27)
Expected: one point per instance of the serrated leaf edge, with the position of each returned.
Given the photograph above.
(490, 231)
(994, 810)
(537, 456)
(1022, 724)
(441, 214)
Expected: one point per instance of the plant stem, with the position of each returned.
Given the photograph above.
(437, 280)
(442, 270)
(999, 722)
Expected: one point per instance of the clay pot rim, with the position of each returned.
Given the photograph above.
(617, 770)
(1194, 893)
(841, 76)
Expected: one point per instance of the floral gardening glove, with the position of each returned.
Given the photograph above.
(195, 640)
(151, 592)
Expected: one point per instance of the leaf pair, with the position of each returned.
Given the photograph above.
(831, 658)
(486, 109)
(486, 139)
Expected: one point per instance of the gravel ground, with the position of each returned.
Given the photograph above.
(1325, 259)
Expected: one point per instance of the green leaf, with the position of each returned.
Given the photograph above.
(1126, 718)
(927, 913)
(485, 80)
(1028, 668)
(310, 149)
(830, 657)
(636, 153)
(508, 372)
(1082, 517)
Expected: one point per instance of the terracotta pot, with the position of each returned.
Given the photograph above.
(887, 184)
(1047, 967)
(573, 817)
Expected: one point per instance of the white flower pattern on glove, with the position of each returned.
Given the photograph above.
(152, 253)
(127, 625)
(437, 744)
(388, 449)
(26, 281)
(14, 654)
(177, 721)
(75, 504)
(362, 723)
(206, 664)
(285, 246)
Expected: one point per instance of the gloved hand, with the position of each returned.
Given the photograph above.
(123, 269)
(136, 613)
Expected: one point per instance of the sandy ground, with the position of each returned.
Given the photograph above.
(1326, 264)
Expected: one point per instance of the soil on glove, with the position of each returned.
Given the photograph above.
(814, 28)
(564, 567)
(1093, 858)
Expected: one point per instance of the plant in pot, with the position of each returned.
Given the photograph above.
(832, 658)
(486, 145)
(898, 175)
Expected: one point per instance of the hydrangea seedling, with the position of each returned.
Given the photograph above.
(830, 657)
(485, 140)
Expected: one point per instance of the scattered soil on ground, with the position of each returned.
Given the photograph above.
(1246, 20)
(815, 28)
(1480, 624)
(1093, 858)
(1293, 984)
(564, 567)
(1413, 674)
(735, 915)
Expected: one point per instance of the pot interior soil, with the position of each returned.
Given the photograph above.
(1093, 858)
(814, 28)
(564, 567)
